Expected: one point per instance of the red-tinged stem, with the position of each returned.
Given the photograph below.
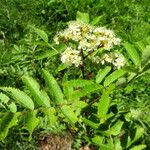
(82, 66)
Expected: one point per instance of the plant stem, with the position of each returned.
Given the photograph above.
(82, 66)
(89, 54)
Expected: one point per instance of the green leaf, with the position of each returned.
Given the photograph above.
(131, 76)
(116, 128)
(98, 140)
(131, 69)
(146, 68)
(90, 123)
(139, 132)
(69, 114)
(140, 45)
(146, 56)
(61, 67)
(53, 87)
(8, 120)
(109, 145)
(78, 83)
(148, 40)
(59, 97)
(96, 20)
(138, 147)
(78, 106)
(31, 122)
(84, 17)
(12, 107)
(4, 98)
(46, 54)
(118, 144)
(34, 89)
(102, 73)
(122, 82)
(106, 147)
(20, 97)
(50, 114)
(68, 92)
(86, 90)
(132, 52)
(103, 104)
(42, 34)
(114, 76)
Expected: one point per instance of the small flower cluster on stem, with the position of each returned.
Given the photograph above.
(87, 39)
(116, 59)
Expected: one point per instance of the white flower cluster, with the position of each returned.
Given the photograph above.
(88, 39)
(71, 56)
(114, 58)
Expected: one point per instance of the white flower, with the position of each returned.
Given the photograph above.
(114, 58)
(107, 58)
(89, 38)
(116, 41)
(95, 59)
(56, 39)
(119, 61)
(83, 44)
(71, 56)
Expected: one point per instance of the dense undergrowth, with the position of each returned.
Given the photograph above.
(35, 103)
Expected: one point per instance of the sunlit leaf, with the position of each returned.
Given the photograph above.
(8, 121)
(78, 83)
(31, 122)
(84, 17)
(4, 98)
(53, 87)
(138, 147)
(97, 140)
(34, 89)
(103, 104)
(146, 56)
(20, 97)
(41, 33)
(116, 128)
(69, 114)
(138, 133)
(114, 76)
(56, 91)
(46, 54)
(90, 123)
(133, 53)
(102, 73)
(12, 107)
